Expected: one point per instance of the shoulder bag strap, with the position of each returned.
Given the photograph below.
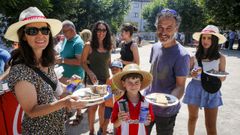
(44, 77)
(200, 63)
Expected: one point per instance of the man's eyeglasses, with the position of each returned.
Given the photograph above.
(171, 11)
(33, 31)
(101, 30)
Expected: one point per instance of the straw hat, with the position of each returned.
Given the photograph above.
(32, 15)
(132, 68)
(210, 29)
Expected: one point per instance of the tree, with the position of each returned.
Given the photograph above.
(111, 11)
(190, 11)
(224, 13)
(82, 12)
(150, 12)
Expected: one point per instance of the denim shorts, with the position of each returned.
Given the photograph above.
(107, 112)
(196, 95)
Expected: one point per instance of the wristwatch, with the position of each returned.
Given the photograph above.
(62, 60)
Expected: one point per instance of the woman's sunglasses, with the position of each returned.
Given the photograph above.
(101, 30)
(33, 31)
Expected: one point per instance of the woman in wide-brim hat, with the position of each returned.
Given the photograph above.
(196, 96)
(37, 96)
(132, 68)
(212, 30)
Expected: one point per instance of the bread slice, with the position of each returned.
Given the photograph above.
(161, 99)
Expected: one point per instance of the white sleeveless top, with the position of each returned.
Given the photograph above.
(207, 65)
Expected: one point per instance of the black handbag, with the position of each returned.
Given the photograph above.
(209, 83)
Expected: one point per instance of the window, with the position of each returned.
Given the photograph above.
(136, 15)
(135, 5)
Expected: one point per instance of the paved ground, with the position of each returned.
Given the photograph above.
(229, 114)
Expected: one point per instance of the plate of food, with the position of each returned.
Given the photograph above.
(216, 73)
(162, 99)
(90, 96)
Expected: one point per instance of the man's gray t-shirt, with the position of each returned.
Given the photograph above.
(166, 65)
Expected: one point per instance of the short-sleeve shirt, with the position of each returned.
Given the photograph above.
(166, 65)
(52, 123)
(134, 112)
(69, 50)
(4, 57)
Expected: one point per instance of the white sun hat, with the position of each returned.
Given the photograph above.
(32, 15)
(210, 29)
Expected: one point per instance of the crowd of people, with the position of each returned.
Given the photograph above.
(47, 103)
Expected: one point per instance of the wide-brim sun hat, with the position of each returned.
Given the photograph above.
(132, 68)
(212, 30)
(32, 15)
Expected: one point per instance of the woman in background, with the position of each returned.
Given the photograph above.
(129, 51)
(96, 59)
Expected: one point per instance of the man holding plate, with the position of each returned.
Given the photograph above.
(169, 67)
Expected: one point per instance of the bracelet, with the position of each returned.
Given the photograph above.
(62, 60)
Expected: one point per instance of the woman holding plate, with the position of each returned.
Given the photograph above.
(96, 59)
(32, 77)
(208, 57)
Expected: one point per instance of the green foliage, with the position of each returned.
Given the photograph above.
(189, 10)
(150, 12)
(84, 13)
(111, 11)
(191, 13)
(224, 13)
(12, 8)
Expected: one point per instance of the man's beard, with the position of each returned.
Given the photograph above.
(166, 38)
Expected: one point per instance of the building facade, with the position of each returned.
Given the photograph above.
(135, 14)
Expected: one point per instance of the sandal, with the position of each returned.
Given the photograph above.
(76, 121)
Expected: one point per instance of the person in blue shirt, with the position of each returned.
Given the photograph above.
(4, 57)
(70, 58)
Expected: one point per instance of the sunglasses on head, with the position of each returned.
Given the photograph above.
(32, 31)
(171, 11)
(101, 30)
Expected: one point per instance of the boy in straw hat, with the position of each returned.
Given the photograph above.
(196, 96)
(32, 76)
(131, 80)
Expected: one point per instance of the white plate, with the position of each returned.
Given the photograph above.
(89, 102)
(172, 100)
(217, 75)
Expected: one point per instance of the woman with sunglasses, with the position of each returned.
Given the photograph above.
(129, 51)
(96, 58)
(38, 98)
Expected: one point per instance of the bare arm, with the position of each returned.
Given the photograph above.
(134, 49)
(86, 51)
(75, 62)
(222, 66)
(180, 86)
(27, 97)
(4, 75)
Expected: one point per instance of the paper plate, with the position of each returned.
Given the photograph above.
(217, 74)
(89, 102)
(172, 100)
